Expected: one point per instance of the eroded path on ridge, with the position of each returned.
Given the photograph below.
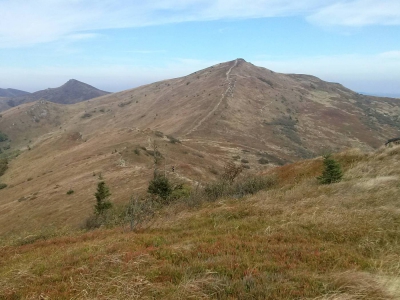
(228, 92)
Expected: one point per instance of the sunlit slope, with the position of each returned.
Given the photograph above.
(232, 111)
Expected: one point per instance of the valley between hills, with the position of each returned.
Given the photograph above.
(297, 237)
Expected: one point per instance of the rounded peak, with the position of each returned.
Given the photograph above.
(72, 81)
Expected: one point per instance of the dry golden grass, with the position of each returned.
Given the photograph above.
(298, 240)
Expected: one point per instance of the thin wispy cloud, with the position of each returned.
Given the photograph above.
(358, 13)
(28, 22)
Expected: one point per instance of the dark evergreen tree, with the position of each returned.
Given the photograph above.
(102, 195)
(332, 171)
(160, 186)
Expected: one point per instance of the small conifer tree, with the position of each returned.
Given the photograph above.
(160, 186)
(332, 171)
(102, 195)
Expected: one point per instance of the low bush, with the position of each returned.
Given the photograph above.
(173, 140)
(3, 186)
(242, 187)
(86, 115)
(159, 134)
(160, 186)
(3, 137)
(3, 166)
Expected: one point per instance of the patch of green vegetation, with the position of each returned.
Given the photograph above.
(332, 171)
(173, 140)
(86, 115)
(161, 187)
(286, 126)
(269, 82)
(3, 137)
(102, 195)
(3, 186)
(159, 134)
(122, 104)
(69, 192)
(3, 166)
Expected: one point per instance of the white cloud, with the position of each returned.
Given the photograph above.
(28, 22)
(358, 13)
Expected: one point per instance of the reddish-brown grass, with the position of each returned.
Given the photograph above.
(297, 240)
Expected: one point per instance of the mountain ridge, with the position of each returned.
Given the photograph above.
(71, 92)
(12, 92)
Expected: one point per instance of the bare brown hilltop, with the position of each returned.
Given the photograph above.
(72, 91)
(232, 111)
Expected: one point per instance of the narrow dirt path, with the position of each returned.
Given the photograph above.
(229, 91)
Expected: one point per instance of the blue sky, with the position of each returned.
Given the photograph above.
(116, 45)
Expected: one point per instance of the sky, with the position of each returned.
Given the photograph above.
(119, 44)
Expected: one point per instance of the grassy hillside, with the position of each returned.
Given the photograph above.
(296, 240)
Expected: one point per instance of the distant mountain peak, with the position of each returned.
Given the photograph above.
(72, 91)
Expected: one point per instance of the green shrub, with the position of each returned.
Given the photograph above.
(263, 161)
(253, 184)
(242, 187)
(70, 192)
(216, 190)
(86, 115)
(3, 137)
(3, 186)
(332, 171)
(180, 191)
(159, 134)
(3, 165)
(160, 186)
(173, 140)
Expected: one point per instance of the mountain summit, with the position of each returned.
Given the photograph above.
(73, 91)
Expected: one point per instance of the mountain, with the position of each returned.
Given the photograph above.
(12, 93)
(71, 92)
(233, 111)
(6, 94)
